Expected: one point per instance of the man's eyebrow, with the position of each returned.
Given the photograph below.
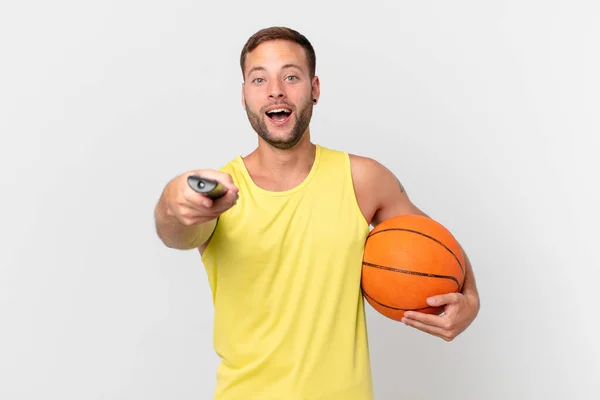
(291, 66)
(259, 68)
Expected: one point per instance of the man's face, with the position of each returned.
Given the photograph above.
(278, 92)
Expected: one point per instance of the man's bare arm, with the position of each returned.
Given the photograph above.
(379, 188)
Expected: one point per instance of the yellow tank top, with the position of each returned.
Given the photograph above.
(284, 269)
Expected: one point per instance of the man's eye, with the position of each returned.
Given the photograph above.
(258, 80)
(292, 78)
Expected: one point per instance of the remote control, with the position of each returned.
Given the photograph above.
(208, 187)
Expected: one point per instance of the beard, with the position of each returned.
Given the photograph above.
(286, 140)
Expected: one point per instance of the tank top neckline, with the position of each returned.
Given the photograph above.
(288, 192)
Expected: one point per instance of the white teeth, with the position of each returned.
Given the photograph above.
(279, 110)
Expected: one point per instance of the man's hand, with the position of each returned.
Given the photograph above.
(459, 311)
(192, 208)
(185, 218)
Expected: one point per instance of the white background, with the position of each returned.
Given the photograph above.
(486, 111)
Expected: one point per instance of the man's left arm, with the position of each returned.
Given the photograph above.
(460, 309)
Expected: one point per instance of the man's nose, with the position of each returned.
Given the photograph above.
(276, 91)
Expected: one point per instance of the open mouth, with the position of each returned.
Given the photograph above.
(279, 115)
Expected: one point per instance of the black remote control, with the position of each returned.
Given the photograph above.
(208, 187)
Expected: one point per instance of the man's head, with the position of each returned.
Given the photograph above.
(280, 87)
(279, 33)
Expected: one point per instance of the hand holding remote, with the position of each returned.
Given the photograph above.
(199, 196)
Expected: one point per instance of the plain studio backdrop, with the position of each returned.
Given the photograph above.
(486, 111)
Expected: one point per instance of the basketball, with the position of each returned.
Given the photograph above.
(407, 259)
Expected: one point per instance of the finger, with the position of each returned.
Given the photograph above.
(226, 202)
(214, 207)
(227, 181)
(190, 214)
(432, 330)
(428, 319)
(196, 201)
(206, 202)
(442, 299)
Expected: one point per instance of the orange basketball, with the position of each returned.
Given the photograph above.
(408, 259)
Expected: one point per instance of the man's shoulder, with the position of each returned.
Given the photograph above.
(357, 160)
(363, 161)
(364, 169)
(370, 176)
(364, 166)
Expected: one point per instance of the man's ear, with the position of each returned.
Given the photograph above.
(316, 89)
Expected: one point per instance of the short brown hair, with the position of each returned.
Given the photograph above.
(280, 33)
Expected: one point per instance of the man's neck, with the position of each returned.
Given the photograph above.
(279, 169)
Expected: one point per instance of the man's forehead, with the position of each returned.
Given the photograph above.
(285, 54)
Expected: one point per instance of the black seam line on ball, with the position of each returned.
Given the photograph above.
(428, 237)
(404, 271)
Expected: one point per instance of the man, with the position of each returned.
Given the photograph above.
(283, 248)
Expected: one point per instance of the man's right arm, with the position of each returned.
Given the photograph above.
(186, 219)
